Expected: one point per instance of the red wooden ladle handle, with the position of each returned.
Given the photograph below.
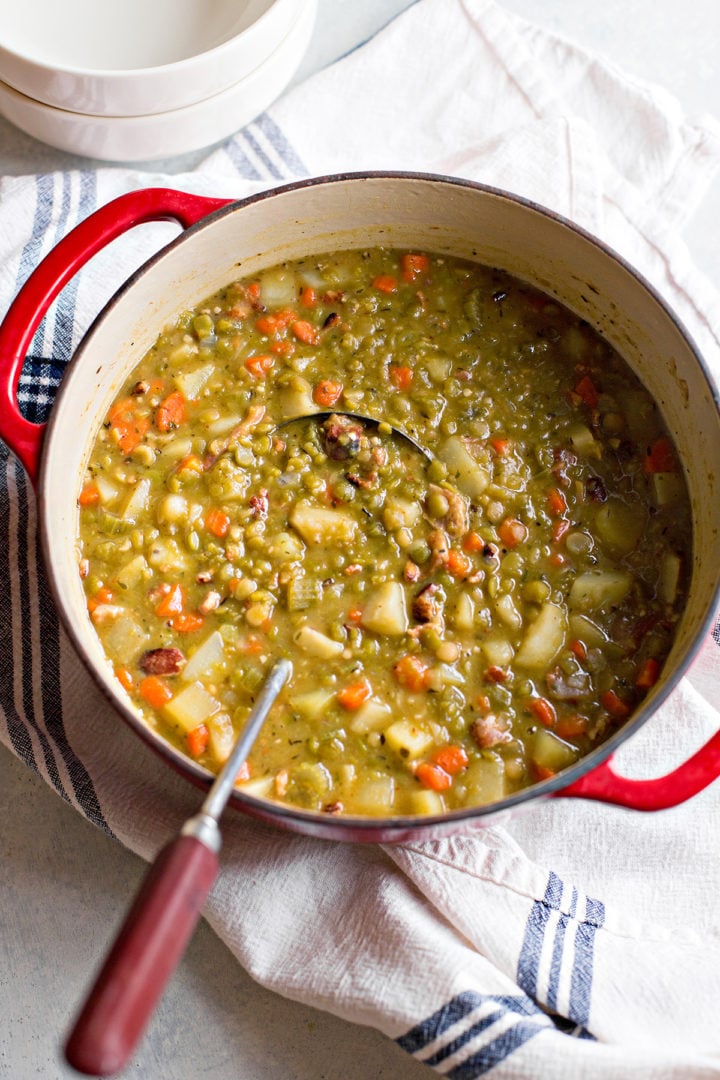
(54, 272)
(145, 954)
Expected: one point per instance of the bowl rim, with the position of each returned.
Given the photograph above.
(391, 828)
(151, 72)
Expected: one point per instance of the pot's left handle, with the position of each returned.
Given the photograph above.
(50, 277)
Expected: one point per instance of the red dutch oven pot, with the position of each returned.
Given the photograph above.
(223, 240)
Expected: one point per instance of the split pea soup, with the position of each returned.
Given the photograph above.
(460, 625)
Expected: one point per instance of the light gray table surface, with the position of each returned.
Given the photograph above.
(64, 886)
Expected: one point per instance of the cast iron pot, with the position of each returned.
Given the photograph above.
(224, 240)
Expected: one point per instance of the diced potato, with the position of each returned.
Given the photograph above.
(385, 611)
(171, 509)
(137, 500)
(221, 737)
(313, 703)
(506, 611)
(278, 287)
(464, 615)
(583, 441)
(223, 426)
(165, 555)
(442, 675)
(206, 659)
(295, 399)
(550, 752)
(321, 525)
(375, 796)
(497, 649)
(401, 514)
(133, 572)
(438, 368)
(427, 802)
(619, 526)
(669, 577)
(262, 788)
(108, 491)
(175, 450)
(484, 780)
(587, 631)
(285, 547)
(543, 638)
(470, 476)
(407, 739)
(667, 488)
(373, 715)
(192, 706)
(190, 383)
(317, 644)
(598, 589)
(125, 639)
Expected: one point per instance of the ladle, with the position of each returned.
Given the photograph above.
(383, 425)
(162, 918)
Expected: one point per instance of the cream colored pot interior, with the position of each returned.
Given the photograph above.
(401, 212)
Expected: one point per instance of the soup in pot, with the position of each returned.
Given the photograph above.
(461, 623)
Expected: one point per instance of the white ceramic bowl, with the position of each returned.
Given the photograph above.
(134, 57)
(179, 131)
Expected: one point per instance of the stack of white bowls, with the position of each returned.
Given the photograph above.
(141, 80)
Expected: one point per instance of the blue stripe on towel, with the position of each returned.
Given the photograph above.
(581, 943)
(531, 951)
(496, 1051)
(51, 737)
(526, 1020)
(582, 973)
(241, 161)
(282, 145)
(271, 168)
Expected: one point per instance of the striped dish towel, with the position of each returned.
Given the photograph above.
(574, 940)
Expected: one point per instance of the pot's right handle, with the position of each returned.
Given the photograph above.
(50, 277)
(605, 785)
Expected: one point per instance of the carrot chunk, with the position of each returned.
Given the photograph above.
(660, 457)
(400, 377)
(172, 603)
(544, 711)
(453, 759)
(385, 283)
(217, 521)
(171, 412)
(615, 705)
(648, 674)
(433, 776)
(412, 673)
(356, 694)
(197, 740)
(90, 494)
(412, 265)
(305, 332)
(187, 622)
(259, 366)
(557, 504)
(586, 390)
(155, 690)
(512, 532)
(327, 392)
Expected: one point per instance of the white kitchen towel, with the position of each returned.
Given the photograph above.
(574, 940)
